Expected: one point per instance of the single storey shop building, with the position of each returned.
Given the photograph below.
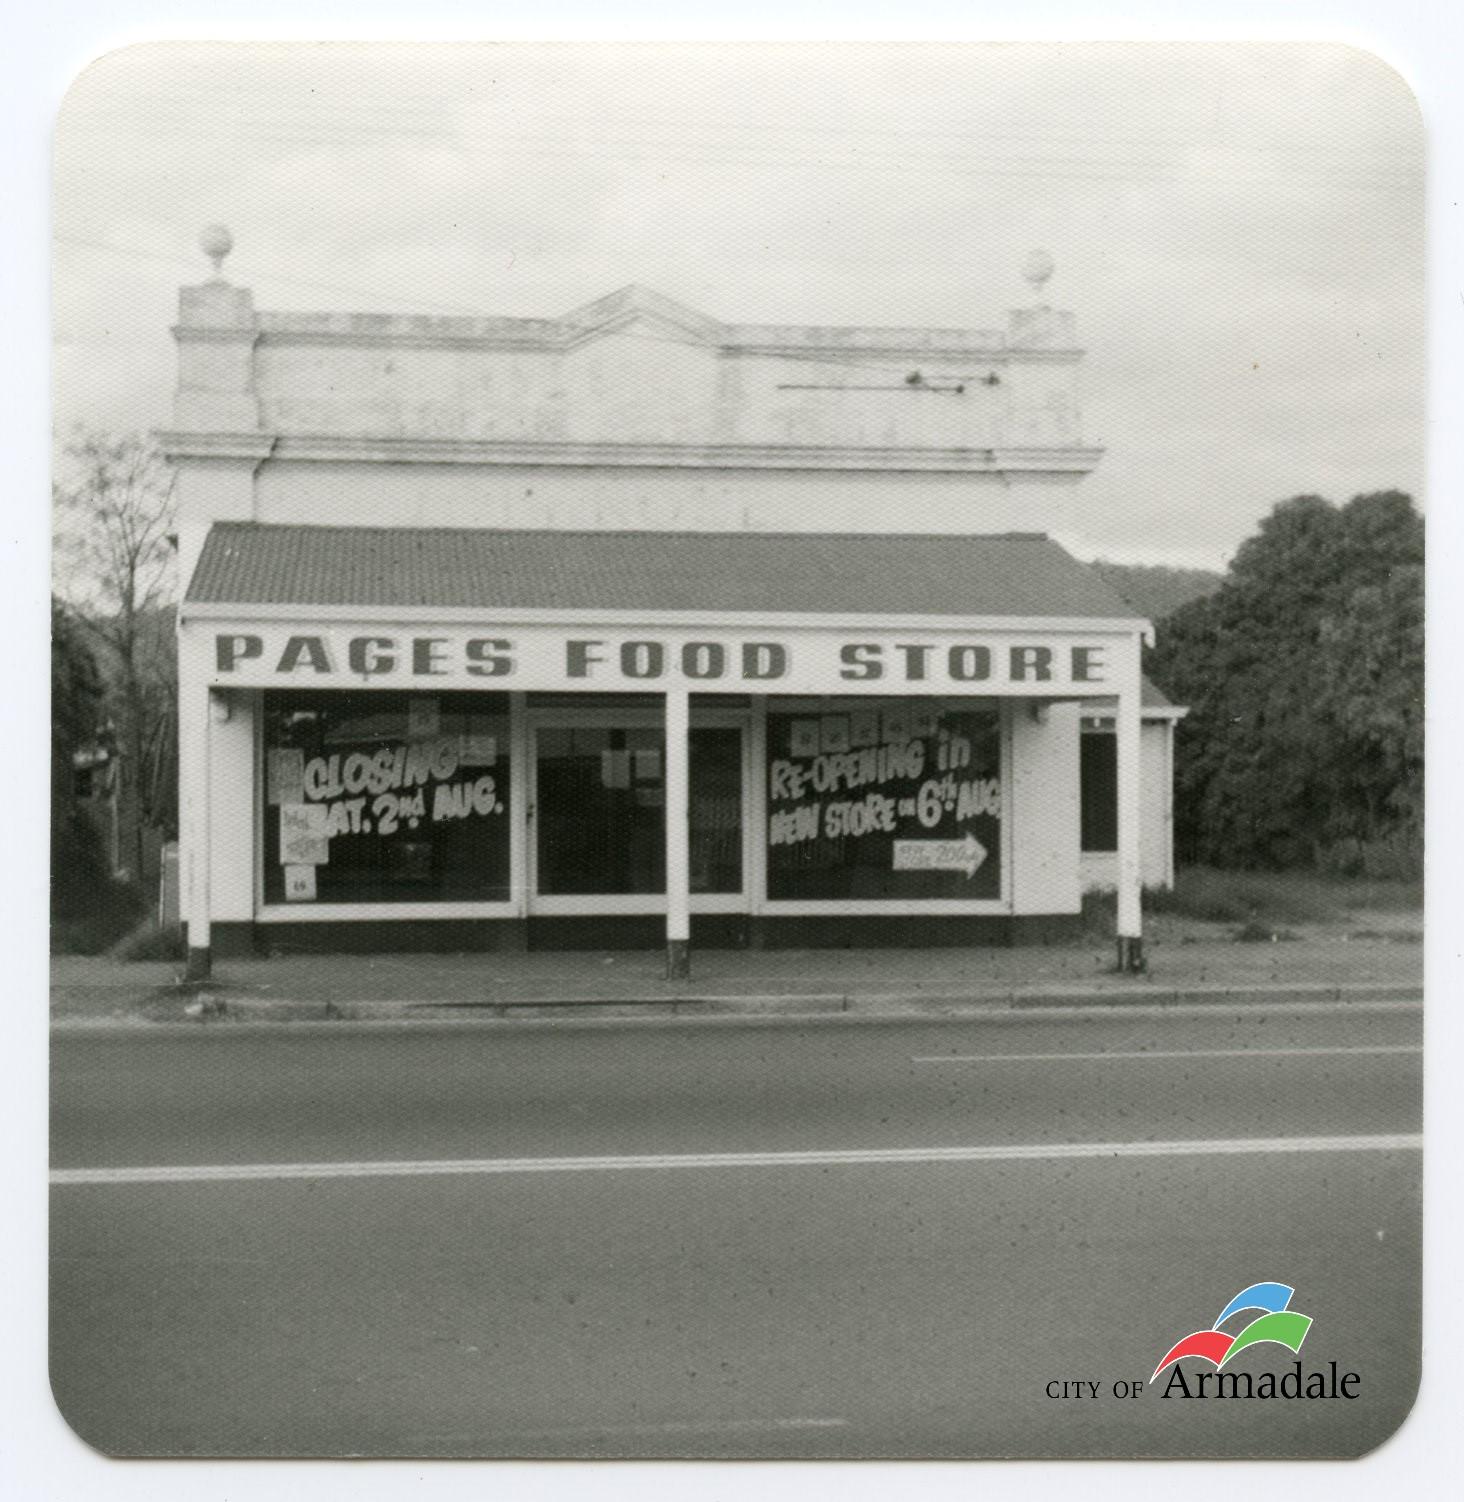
(635, 628)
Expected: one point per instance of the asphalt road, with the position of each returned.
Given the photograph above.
(731, 1238)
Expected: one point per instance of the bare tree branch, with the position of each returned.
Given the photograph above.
(114, 566)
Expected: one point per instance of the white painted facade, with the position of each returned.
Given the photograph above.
(635, 414)
(629, 413)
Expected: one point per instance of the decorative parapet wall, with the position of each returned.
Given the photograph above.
(631, 379)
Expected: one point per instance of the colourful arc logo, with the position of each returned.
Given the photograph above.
(1276, 1324)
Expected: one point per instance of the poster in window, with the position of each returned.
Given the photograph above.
(303, 839)
(424, 718)
(285, 775)
(806, 738)
(299, 883)
(479, 749)
(615, 769)
(864, 727)
(834, 732)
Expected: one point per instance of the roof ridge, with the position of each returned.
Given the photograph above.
(657, 533)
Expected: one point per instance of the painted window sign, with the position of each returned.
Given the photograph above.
(902, 801)
(386, 797)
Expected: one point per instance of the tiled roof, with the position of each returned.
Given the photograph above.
(1015, 574)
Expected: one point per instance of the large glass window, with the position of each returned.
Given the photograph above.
(601, 815)
(386, 797)
(898, 799)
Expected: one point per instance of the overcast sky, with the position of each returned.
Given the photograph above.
(1238, 229)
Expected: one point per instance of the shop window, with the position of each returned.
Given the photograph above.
(1099, 773)
(896, 800)
(601, 796)
(380, 797)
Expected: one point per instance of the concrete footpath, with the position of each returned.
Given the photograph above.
(1188, 962)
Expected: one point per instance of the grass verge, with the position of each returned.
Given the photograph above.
(1269, 898)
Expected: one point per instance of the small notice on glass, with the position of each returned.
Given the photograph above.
(299, 883)
(834, 732)
(864, 727)
(285, 775)
(424, 719)
(478, 750)
(804, 739)
(615, 769)
(303, 840)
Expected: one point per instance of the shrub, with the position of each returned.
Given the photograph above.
(1242, 896)
(94, 926)
(1271, 898)
(1394, 857)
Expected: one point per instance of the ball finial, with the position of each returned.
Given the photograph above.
(1037, 268)
(216, 242)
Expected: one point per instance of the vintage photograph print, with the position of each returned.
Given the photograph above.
(737, 759)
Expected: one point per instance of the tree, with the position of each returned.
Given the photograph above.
(115, 558)
(78, 865)
(1304, 677)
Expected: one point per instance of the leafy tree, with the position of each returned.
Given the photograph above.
(1304, 677)
(78, 864)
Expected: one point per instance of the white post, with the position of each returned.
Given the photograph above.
(678, 835)
(1167, 792)
(1130, 857)
(200, 853)
(519, 833)
(193, 713)
(755, 821)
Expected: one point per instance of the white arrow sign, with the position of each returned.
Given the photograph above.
(940, 855)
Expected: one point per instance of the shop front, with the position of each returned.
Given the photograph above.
(545, 774)
(635, 627)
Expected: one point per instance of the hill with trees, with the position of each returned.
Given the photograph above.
(1156, 591)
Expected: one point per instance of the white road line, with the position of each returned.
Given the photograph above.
(830, 1157)
(1166, 1053)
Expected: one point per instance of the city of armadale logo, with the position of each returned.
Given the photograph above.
(1268, 1319)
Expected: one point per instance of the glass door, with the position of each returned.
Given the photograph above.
(598, 812)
